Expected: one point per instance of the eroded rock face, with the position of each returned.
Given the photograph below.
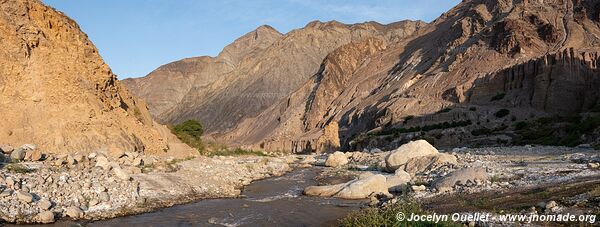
(57, 92)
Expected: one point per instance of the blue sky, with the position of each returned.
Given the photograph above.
(137, 36)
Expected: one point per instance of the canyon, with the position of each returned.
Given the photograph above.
(539, 56)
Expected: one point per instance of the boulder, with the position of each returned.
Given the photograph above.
(428, 163)
(418, 188)
(462, 176)
(308, 160)
(398, 182)
(120, 173)
(402, 154)
(6, 149)
(18, 154)
(103, 162)
(24, 197)
(44, 204)
(36, 155)
(336, 159)
(355, 189)
(45, 217)
(74, 212)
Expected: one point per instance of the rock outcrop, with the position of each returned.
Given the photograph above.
(57, 92)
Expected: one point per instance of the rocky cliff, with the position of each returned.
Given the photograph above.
(56, 91)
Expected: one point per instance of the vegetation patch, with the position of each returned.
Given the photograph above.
(388, 216)
(190, 132)
(237, 152)
(445, 110)
(498, 97)
(502, 113)
(18, 168)
(556, 130)
(445, 125)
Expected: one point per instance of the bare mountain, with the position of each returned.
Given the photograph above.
(57, 92)
(532, 57)
(223, 93)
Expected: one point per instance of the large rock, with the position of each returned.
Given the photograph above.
(336, 159)
(18, 154)
(121, 174)
(7, 149)
(402, 154)
(45, 217)
(74, 212)
(103, 162)
(355, 189)
(44, 204)
(24, 197)
(462, 176)
(430, 162)
(398, 182)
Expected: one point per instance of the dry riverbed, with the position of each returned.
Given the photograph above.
(96, 186)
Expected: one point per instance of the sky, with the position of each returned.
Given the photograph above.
(137, 36)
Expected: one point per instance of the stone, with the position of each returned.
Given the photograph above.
(103, 162)
(18, 154)
(74, 212)
(44, 204)
(24, 197)
(428, 163)
(70, 160)
(36, 155)
(592, 165)
(550, 205)
(121, 174)
(78, 158)
(355, 189)
(462, 176)
(116, 152)
(336, 159)
(418, 188)
(308, 160)
(137, 162)
(6, 193)
(402, 154)
(29, 146)
(398, 182)
(93, 202)
(6, 149)
(45, 217)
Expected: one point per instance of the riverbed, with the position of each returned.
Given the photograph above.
(274, 201)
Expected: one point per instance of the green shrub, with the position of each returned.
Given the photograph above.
(520, 125)
(408, 118)
(388, 216)
(481, 131)
(190, 132)
(498, 96)
(502, 113)
(237, 152)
